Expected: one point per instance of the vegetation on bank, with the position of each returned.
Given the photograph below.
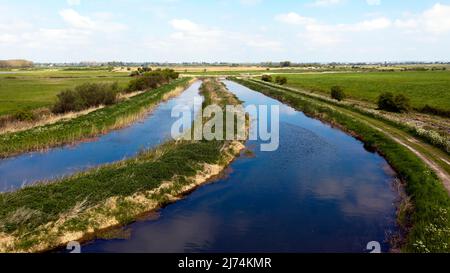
(434, 136)
(31, 90)
(89, 95)
(429, 91)
(149, 79)
(89, 125)
(427, 221)
(85, 96)
(46, 215)
(388, 102)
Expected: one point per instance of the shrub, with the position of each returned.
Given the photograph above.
(281, 80)
(86, 95)
(24, 115)
(337, 93)
(151, 79)
(266, 78)
(402, 103)
(388, 102)
(427, 109)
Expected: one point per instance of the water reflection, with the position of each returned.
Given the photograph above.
(114, 146)
(319, 192)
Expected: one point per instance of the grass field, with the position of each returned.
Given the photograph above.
(428, 87)
(27, 90)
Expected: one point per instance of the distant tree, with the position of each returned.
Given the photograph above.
(281, 80)
(266, 78)
(285, 64)
(337, 93)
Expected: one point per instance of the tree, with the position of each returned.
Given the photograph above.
(337, 93)
(266, 78)
(281, 80)
(285, 64)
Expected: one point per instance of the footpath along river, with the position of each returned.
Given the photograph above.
(321, 191)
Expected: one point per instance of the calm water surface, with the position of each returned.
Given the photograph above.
(321, 191)
(113, 146)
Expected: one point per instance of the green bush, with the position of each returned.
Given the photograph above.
(266, 78)
(281, 80)
(86, 95)
(24, 115)
(402, 103)
(151, 79)
(388, 102)
(337, 93)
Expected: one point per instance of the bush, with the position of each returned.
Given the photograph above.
(151, 80)
(24, 115)
(86, 95)
(337, 93)
(266, 78)
(427, 109)
(281, 80)
(388, 102)
(402, 103)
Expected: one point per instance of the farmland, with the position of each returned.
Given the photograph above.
(28, 90)
(422, 88)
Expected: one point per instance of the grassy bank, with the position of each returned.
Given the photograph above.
(92, 124)
(433, 130)
(45, 216)
(426, 218)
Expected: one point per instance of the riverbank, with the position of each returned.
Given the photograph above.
(90, 125)
(426, 222)
(46, 216)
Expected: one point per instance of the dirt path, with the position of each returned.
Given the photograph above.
(434, 158)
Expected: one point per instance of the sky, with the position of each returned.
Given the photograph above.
(225, 30)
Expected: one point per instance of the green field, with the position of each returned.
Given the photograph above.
(27, 90)
(92, 124)
(428, 87)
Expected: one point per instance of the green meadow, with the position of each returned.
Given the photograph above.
(28, 90)
(422, 88)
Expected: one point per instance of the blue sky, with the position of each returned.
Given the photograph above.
(225, 30)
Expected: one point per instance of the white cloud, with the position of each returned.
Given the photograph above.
(294, 19)
(326, 3)
(76, 20)
(74, 2)
(250, 2)
(435, 20)
(373, 2)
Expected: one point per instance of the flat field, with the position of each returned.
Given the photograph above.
(27, 90)
(422, 88)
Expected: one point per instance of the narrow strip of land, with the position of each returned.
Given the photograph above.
(433, 157)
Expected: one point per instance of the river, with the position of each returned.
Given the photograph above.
(321, 191)
(151, 131)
